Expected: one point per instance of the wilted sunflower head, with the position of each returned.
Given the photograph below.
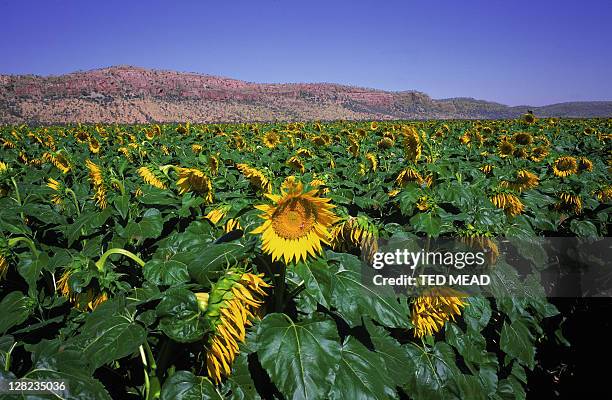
(94, 145)
(584, 164)
(505, 148)
(372, 161)
(196, 181)
(433, 308)
(231, 306)
(539, 153)
(520, 152)
(565, 166)
(569, 202)
(58, 196)
(487, 169)
(149, 176)
(271, 139)
(257, 179)
(295, 224)
(525, 180)
(216, 214)
(295, 162)
(522, 138)
(385, 143)
(411, 143)
(589, 131)
(508, 202)
(196, 148)
(529, 118)
(408, 175)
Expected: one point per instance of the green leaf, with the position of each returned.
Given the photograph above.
(30, 268)
(299, 357)
(397, 361)
(181, 319)
(353, 299)
(240, 383)
(478, 313)
(79, 387)
(15, 308)
(206, 265)
(427, 222)
(122, 204)
(166, 272)
(85, 223)
(184, 385)
(517, 341)
(361, 374)
(105, 338)
(433, 368)
(583, 228)
(149, 227)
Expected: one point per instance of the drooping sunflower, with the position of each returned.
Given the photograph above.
(411, 143)
(604, 194)
(569, 202)
(565, 166)
(94, 145)
(525, 180)
(385, 143)
(295, 162)
(150, 178)
(584, 164)
(296, 224)
(87, 299)
(231, 306)
(487, 169)
(256, 177)
(216, 214)
(408, 175)
(510, 203)
(505, 148)
(522, 138)
(271, 139)
(96, 179)
(481, 242)
(4, 264)
(232, 224)
(539, 153)
(57, 197)
(352, 232)
(213, 164)
(196, 148)
(353, 147)
(433, 308)
(302, 152)
(372, 161)
(196, 181)
(529, 118)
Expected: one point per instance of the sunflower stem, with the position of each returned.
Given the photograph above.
(12, 242)
(100, 263)
(74, 200)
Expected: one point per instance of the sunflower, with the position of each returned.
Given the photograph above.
(3, 167)
(522, 138)
(372, 161)
(393, 192)
(322, 139)
(302, 152)
(525, 180)
(239, 142)
(433, 308)
(584, 164)
(385, 143)
(565, 166)
(296, 224)
(569, 202)
(216, 214)
(412, 144)
(529, 118)
(256, 177)
(97, 181)
(232, 225)
(510, 203)
(373, 125)
(353, 148)
(213, 164)
(424, 203)
(487, 169)
(352, 232)
(87, 299)
(271, 139)
(520, 153)
(150, 178)
(4, 264)
(232, 305)
(505, 148)
(539, 153)
(408, 175)
(482, 242)
(604, 194)
(295, 162)
(56, 186)
(94, 145)
(196, 148)
(196, 181)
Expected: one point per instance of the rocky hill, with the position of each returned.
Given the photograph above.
(126, 94)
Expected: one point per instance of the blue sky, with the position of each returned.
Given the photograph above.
(514, 52)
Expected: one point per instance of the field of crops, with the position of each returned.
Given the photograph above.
(224, 261)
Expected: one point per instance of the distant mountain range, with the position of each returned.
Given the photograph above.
(125, 94)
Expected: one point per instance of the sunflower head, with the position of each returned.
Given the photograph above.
(565, 166)
(258, 180)
(433, 308)
(295, 224)
(408, 175)
(58, 196)
(94, 145)
(295, 162)
(525, 180)
(216, 214)
(508, 202)
(271, 139)
(411, 143)
(539, 153)
(584, 164)
(529, 118)
(372, 161)
(150, 177)
(196, 148)
(569, 202)
(385, 143)
(505, 148)
(195, 181)
(487, 169)
(522, 138)
(231, 306)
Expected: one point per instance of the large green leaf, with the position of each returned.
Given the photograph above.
(15, 308)
(166, 272)
(149, 227)
(361, 374)
(433, 369)
(240, 383)
(181, 319)
(79, 387)
(184, 385)
(397, 360)
(105, 338)
(206, 265)
(300, 357)
(517, 341)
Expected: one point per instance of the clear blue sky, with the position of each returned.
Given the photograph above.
(515, 52)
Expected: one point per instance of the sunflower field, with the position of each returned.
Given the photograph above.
(224, 261)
